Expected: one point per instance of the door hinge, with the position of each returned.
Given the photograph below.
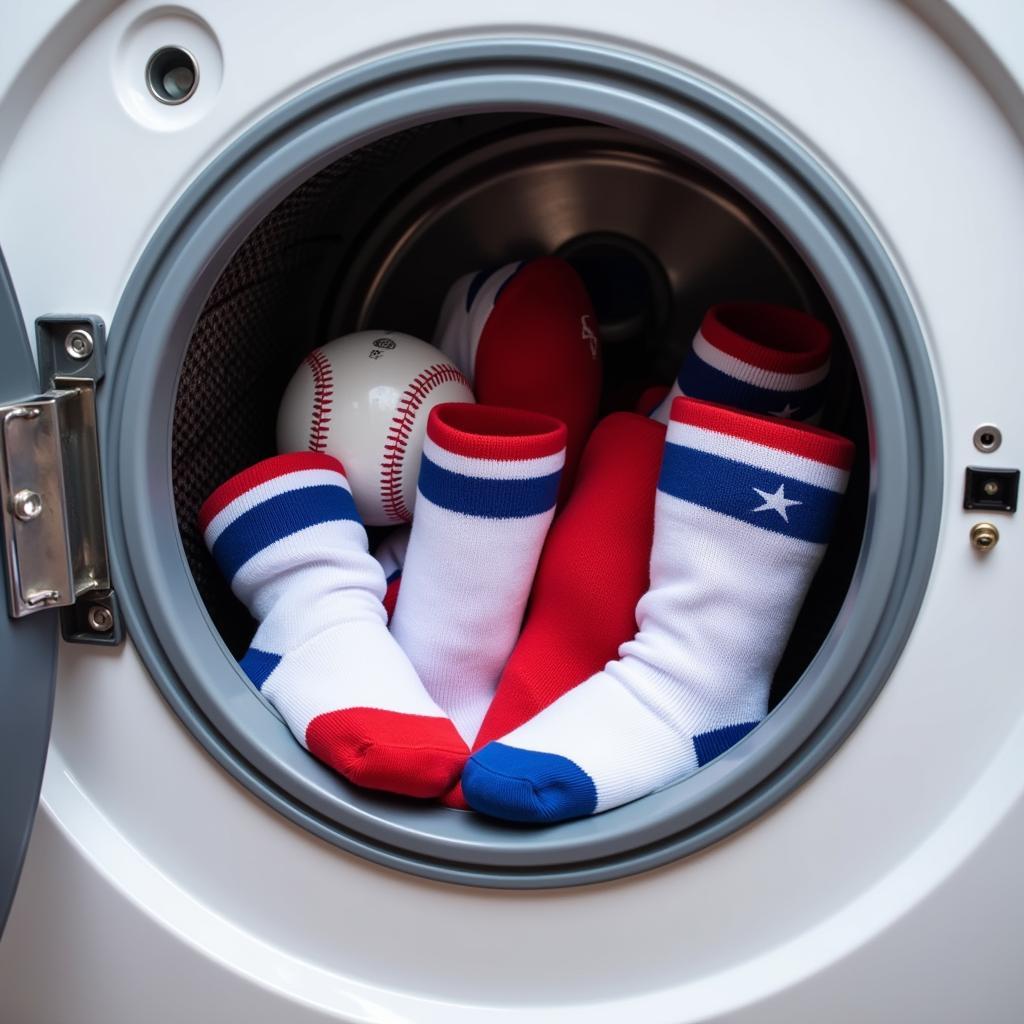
(50, 489)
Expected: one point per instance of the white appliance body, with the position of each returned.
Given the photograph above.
(887, 887)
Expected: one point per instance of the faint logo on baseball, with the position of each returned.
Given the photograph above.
(380, 346)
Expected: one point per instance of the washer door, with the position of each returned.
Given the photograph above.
(28, 647)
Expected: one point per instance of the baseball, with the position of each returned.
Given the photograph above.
(364, 399)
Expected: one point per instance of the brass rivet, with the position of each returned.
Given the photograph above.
(984, 536)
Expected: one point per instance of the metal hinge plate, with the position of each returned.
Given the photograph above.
(51, 502)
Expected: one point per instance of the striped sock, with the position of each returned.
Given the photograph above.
(744, 509)
(487, 488)
(757, 357)
(287, 536)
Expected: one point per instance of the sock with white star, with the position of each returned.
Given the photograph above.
(287, 536)
(756, 357)
(485, 499)
(743, 512)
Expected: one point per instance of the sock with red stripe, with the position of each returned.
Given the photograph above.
(525, 336)
(744, 510)
(486, 495)
(757, 357)
(288, 538)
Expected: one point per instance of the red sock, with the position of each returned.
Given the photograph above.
(650, 398)
(391, 595)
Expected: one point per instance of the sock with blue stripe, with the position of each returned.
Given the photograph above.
(287, 536)
(486, 495)
(743, 512)
(757, 357)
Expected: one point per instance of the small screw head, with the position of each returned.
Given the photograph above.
(984, 536)
(79, 344)
(991, 488)
(987, 438)
(100, 619)
(27, 505)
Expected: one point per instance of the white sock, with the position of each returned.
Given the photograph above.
(487, 488)
(288, 538)
(743, 513)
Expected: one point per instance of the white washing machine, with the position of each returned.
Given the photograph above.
(193, 197)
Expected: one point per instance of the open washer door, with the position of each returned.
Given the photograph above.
(28, 646)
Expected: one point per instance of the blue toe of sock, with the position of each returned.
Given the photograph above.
(527, 786)
(708, 745)
(258, 665)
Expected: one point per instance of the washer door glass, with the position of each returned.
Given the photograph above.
(28, 647)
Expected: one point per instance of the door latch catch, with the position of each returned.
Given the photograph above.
(49, 492)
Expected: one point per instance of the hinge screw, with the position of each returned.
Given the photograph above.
(27, 505)
(79, 344)
(100, 619)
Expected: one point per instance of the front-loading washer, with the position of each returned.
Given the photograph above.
(192, 198)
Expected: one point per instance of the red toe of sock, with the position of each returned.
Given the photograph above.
(413, 755)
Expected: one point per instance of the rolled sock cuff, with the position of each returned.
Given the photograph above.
(768, 339)
(495, 433)
(492, 462)
(270, 501)
(797, 439)
(261, 473)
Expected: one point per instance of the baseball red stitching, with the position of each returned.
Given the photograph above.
(399, 431)
(323, 399)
